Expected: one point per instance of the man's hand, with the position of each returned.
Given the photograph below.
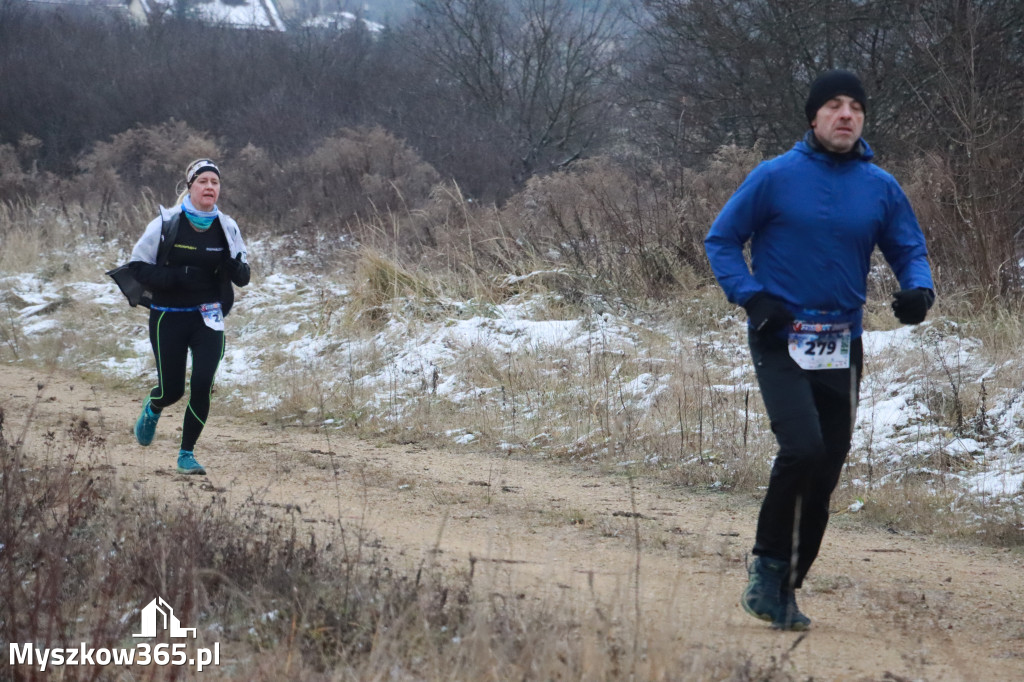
(768, 314)
(911, 305)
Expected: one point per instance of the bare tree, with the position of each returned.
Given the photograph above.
(540, 69)
(714, 72)
(966, 111)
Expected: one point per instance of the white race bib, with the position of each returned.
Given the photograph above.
(212, 316)
(823, 345)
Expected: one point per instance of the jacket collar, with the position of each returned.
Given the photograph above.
(168, 213)
(810, 146)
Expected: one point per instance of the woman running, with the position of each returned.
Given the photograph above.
(188, 257)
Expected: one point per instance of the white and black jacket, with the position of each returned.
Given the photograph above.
(154, 246)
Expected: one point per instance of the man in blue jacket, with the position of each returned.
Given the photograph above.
(812, 216)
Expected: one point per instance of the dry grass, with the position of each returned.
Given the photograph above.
(381, 283)
(81, 555)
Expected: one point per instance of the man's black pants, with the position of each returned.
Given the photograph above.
(812, 414)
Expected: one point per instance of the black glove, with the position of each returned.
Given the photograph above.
(911, 305)
(237, 270)
(768, 314)
(194, 278)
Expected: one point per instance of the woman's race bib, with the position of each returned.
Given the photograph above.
(212, 316)
(823, 345)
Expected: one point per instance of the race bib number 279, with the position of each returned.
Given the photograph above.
(820, 346)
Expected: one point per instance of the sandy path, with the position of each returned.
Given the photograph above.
(885, 606)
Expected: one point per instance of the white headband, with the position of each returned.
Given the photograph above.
(197, 167)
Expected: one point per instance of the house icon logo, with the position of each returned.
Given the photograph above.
(159, 614)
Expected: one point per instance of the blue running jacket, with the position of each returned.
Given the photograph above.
(813, 222)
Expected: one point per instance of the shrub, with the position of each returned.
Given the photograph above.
(357, 173)
(140, 159)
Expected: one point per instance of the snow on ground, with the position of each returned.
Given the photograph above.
(284, 314)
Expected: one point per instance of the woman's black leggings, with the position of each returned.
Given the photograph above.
(812, 414)
(173, 335)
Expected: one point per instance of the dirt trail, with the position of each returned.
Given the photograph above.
(885, 606)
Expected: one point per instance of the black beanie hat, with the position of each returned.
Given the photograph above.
(831, 84)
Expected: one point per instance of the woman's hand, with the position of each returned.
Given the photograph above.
(237, 270)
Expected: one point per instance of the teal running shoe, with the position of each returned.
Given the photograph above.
(145, 426)
(188, 465)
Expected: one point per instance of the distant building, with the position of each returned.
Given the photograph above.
(252, 14)
(260, 14)
(340, 21)
(91, 7)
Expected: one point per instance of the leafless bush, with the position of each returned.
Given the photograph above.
(19, 177)
(149, 159)
(352, 175)
(357, 173)
(599, 228)
(348, 183)
(635, 230)
(971, 239)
